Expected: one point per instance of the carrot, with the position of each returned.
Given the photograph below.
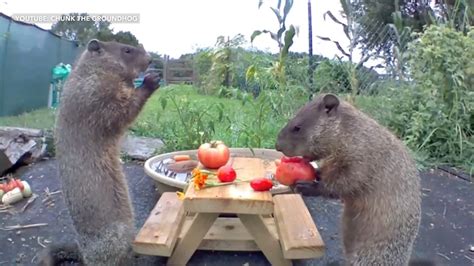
(183, 157)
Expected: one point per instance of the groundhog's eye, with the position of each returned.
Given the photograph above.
(128, 50)
(296, 128)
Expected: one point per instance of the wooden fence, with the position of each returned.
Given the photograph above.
(178, 71)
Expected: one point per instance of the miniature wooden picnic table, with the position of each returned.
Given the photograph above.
(231, 218)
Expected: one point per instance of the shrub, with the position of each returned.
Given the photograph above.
(435, 115)
(334, 76)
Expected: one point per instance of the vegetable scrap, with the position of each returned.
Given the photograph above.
(13, 190)
(261, 184)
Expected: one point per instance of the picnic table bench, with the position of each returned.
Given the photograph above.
(231, 218)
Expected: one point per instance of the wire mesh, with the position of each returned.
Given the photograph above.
(368, 58)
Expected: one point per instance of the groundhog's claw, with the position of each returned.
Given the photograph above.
(306, 188)
(151, 81)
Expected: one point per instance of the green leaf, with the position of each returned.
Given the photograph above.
(394, 30)
(280, 32)
(274, 36)
(255, 34)
(288, 41)
(250, 74)
(345, 7)
(333, 18)
(337, 44)
(252, 151)
(277, 14)
(220, 114)
(212, 126)
(286, 10)
(163, 103)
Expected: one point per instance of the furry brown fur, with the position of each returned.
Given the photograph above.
(98, 104)
(368, 168)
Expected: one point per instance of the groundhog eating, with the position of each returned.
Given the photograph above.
(366, 166)
(98, 103)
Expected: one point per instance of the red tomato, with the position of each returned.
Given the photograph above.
(226, 173)
(214, 154)
(277, 162)
(9, 186)
(292, 159)
(292, 169)
(19, 184)
(261, 184)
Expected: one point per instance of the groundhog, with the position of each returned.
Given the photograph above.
(368, 168)
(98, 103)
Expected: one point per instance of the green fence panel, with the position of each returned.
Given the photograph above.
(4, 24)
(29, 55)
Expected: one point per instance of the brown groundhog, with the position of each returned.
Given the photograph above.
(98, 104)
(367, 167)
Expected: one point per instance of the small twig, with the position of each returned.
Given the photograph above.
(4, 207)
(8, 211)
(46, 190)
(426, 190)
(444, 212)
(29, 202)
(33, 259)
(444, 256)
(469, 258)
(226, 183)
(39, 242)
(55, 192)
(46, 199)
(141, 180)
(15, 227)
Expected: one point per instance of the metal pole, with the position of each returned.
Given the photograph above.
(310, 52)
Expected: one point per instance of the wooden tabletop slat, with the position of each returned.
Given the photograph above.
(234, 198)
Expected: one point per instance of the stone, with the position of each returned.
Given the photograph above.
(20, 146)
(140, 148)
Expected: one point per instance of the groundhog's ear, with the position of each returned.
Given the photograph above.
(93, 45)
(331, 102)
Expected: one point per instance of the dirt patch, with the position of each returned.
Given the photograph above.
(446, 233)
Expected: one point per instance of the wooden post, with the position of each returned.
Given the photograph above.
(165, 68)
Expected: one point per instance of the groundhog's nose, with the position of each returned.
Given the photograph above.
(150, 59)
(278, 146)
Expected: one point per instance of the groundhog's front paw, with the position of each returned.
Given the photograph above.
(306, 188)
(151, 82)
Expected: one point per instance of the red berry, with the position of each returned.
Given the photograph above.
(226, 173)
(261, 184)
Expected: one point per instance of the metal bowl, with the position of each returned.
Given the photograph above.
(166, 181)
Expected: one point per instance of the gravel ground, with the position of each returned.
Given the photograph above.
(446, 233)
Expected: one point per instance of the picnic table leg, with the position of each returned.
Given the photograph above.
(265, 241)
(190, 242)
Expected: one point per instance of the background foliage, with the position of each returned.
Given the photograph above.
(423, 89)
(84, 30)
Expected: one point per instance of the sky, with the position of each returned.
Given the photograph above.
(177, 27)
